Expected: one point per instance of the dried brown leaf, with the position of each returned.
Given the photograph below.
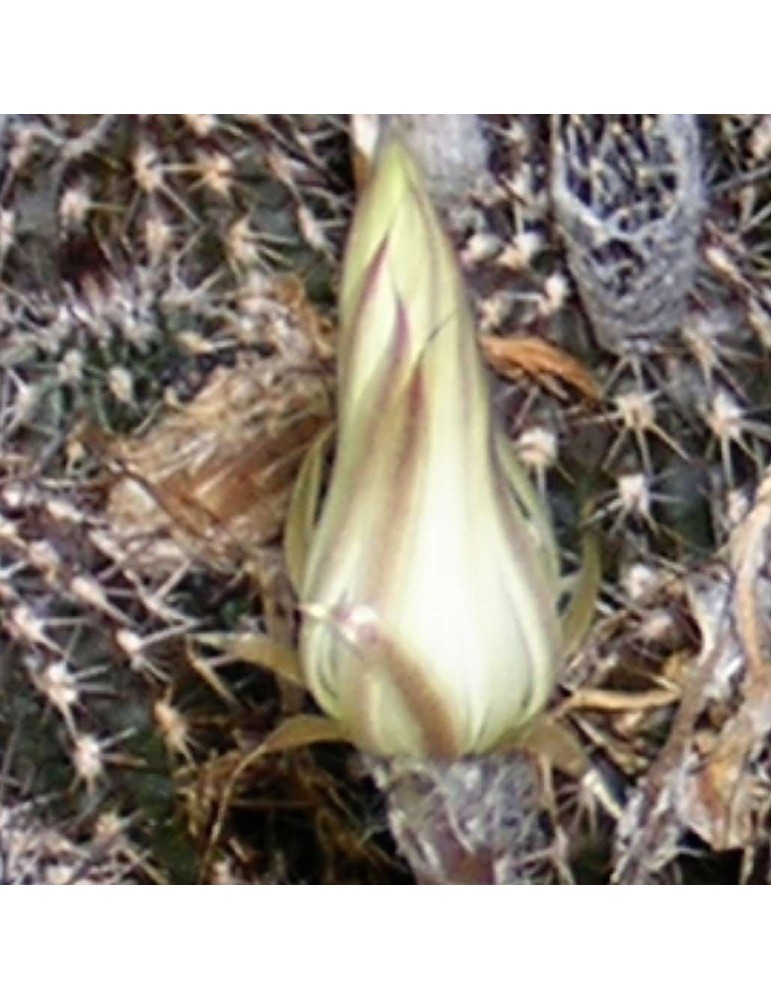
(718, 802)
(213, 476)
(535, 358)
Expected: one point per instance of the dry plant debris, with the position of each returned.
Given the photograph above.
(215, 473)
(166, 328)
(711, 776)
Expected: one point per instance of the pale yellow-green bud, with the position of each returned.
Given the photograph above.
(429, 596)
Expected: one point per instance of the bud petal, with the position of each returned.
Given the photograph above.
(429, 595)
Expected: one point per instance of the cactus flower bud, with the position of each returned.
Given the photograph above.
(429, 594)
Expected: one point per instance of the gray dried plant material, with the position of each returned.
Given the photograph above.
(473, 821)
(35, 853)
(712, 776)
(628, 199)
(451, 150)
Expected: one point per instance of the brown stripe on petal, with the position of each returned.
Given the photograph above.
(370, 278)
(401, 340)
(368, 443)
(416, 400)
(379, 650)
(404, 436)
(348, 340)
(382, 437)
